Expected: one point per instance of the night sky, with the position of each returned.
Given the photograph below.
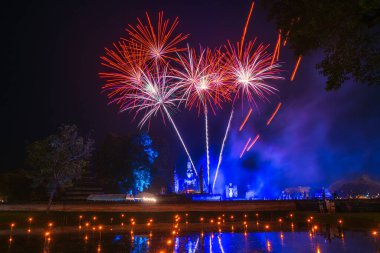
(51, 59)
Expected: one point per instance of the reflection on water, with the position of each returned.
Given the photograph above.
(326, 239)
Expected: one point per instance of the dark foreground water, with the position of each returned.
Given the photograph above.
(356, 242)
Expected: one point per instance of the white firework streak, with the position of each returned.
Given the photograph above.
(180, 138)
(222, 148)
(207, 145)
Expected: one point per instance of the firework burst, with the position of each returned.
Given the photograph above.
(251, 71)
(152, 96)
(126, 72)
(201, 79)
(157, 43)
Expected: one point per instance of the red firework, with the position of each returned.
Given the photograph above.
(156, 43)
(126, 71)
(251, 71)
(201, 78)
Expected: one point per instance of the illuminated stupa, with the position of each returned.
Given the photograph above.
(190, 183)
(231, 191)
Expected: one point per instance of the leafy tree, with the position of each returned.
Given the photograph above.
(124, 163)
(59, 159)
(143, 162)
(141, 178)
(346, 31)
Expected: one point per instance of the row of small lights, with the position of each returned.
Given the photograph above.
(176, 228)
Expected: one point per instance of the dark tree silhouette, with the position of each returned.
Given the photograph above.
(16, 185)
(346, 31)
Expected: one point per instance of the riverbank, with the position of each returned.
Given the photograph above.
(347, 205)
(226, 206)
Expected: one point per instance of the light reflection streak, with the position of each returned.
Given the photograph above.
(269, 246)
(176, 244)
(196, 245)
(220, 244)
(210, 244)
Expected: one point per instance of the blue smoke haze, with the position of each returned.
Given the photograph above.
(316, 138)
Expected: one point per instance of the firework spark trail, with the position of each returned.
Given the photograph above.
(253, 142)
(276, 49)
(274, 113)
(180, 138)
(245, 120)
(207, 145)
(288, 32)
(286, 38)
(245, 147)
(296, 68)
(245, 29)
(222, 148)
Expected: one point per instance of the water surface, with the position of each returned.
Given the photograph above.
(303, 241)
